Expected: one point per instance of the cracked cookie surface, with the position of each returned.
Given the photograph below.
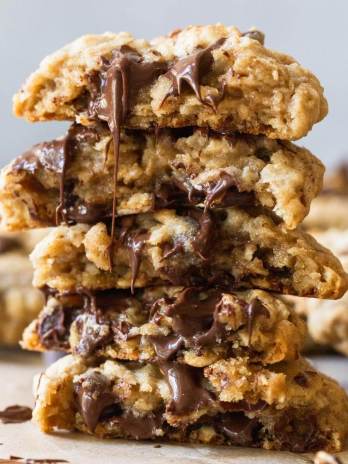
(210, 75)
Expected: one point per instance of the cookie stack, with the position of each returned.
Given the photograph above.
(176, 196)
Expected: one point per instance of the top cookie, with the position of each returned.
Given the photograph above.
(211, 76)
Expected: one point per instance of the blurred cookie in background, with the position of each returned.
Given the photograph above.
(327, 320)
(19, 301)
(330, 208)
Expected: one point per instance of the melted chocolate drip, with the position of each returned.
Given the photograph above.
(189, 71)
(187, 393)
(121, 79)
(255, 308)
(203, 239)
(94, 395)
(135, 244)
(15, 414)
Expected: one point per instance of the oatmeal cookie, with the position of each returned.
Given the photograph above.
(169, 168)
(225, 247)
(210, 75)
(286, 406)
(193, 325)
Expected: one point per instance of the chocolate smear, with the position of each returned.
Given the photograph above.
(94, 395)
(19, 460)
(185, 383)
(121, 79)
(15, 414)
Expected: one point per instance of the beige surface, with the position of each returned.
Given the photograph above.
(27, 441)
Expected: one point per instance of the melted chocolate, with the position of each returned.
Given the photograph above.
(94, 395)
(139, 428)
(121, 79)
(203, 239)
(255, 308)
(15, 414)
(52, 329)
(187, 393)
(239, 429)
(135, 244)
(190, 70)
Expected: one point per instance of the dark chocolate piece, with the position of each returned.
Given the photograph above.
(254, 309)
(190, 70)
(15, 414)
(256, 35)
(239, 429)
(185, 383)
(94, 395)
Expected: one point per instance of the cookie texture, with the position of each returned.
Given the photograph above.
(228, 247)
(210, 75)
(287, 406)
(195, 326)
(164, 169)
(327, 320)
(19, 301)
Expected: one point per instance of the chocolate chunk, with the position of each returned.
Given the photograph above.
(166, 346)
(8, 244)
(205, 235)
(139, 427)
(255, 308)
(190, 70)
(93, 334)
(94, 394)
(52, 329)
(135, 244)
(296, 434)
(188, 395)
(302, 380)
(239, 429)
(255, 35)
(15, 414)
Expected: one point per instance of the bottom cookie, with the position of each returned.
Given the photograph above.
(289, 406)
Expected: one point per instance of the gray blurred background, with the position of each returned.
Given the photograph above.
(315, 32)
